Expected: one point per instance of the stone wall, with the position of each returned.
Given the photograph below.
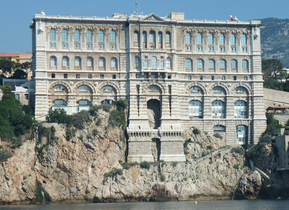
(275, 98)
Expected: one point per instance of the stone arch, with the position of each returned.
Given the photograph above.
(65, 84)
(247, 87)
(89, 84)
(190, 85)
(112, 84)
(227, 90)
(145, 89)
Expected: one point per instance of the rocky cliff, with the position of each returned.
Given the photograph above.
(92, 168)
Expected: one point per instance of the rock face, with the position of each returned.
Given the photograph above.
(77, 170)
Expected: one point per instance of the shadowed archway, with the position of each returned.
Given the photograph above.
(154, 113)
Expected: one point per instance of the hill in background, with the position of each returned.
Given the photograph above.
(275, 39)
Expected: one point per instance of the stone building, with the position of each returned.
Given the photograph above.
(175, 73)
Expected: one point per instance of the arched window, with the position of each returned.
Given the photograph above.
(100, 40)
(52, 35)
(77, 62)
(76, 36)
(101, 62)
(195, 108)
(52, 38)
(136, 38)
(160, 37)
(232, 39)
(169, 63)
(196, 89)
(218, 109)
(221, 39)
(100, 36)
(89, 62)
(244, 39)
(199, 38)
(234, 64)
(76, 39)
(64, 35)
(222, 65)
(168, 39)
(219, 90)
(240, 109)
(219, 128)
(162, 63)
(152, 36)
(83, 88)
(112, 40)
(64, 38)
(244, 64)
(154, 62)
(88, 36)
(210, 39)
(136, 62)
(189, 64)
(200, 64)
(211, 65)
(242, 134)
(65, 61)
(53, 62)
(113, 63)
(188, 38)
(83, 102)
(59, 102)
(233, 42)
(144, 36)
(112, 37)
(59, 88)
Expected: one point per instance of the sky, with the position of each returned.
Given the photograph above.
(16, 15)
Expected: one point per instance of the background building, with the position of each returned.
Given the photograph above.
(175, 73)
(17, 57)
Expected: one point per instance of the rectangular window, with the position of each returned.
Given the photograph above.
(65, 76)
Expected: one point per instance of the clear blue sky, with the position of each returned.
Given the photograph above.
(16, 15)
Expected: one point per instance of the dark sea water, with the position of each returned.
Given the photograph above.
(201, 205)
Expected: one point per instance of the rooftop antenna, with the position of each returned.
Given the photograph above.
(136, 7)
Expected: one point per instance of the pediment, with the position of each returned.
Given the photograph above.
(153, 17)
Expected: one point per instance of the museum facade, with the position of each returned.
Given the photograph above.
(175, 73)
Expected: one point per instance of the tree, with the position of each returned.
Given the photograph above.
(7, 65)
(19, 74)
(271, 68)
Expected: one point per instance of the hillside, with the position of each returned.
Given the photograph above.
(275, 39)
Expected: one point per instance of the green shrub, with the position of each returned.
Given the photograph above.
(106, 107)
(98, 122)
(80, 118)
(94, 132)
(210, 147)
(238, 150)
(70, 133)
(4, 155)
(187, 142)
(108, 174)
(145, 165)
(196, 131)
(163, 163)
(174, 163)
(117, 118)
(93, 111)
(120, 104)
(236, 166)
(217, 135)
(125, 165)
(162, 177)
(118, 172)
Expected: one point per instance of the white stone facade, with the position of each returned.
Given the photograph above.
(175, 73)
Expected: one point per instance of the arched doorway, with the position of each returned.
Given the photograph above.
(154, 113)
